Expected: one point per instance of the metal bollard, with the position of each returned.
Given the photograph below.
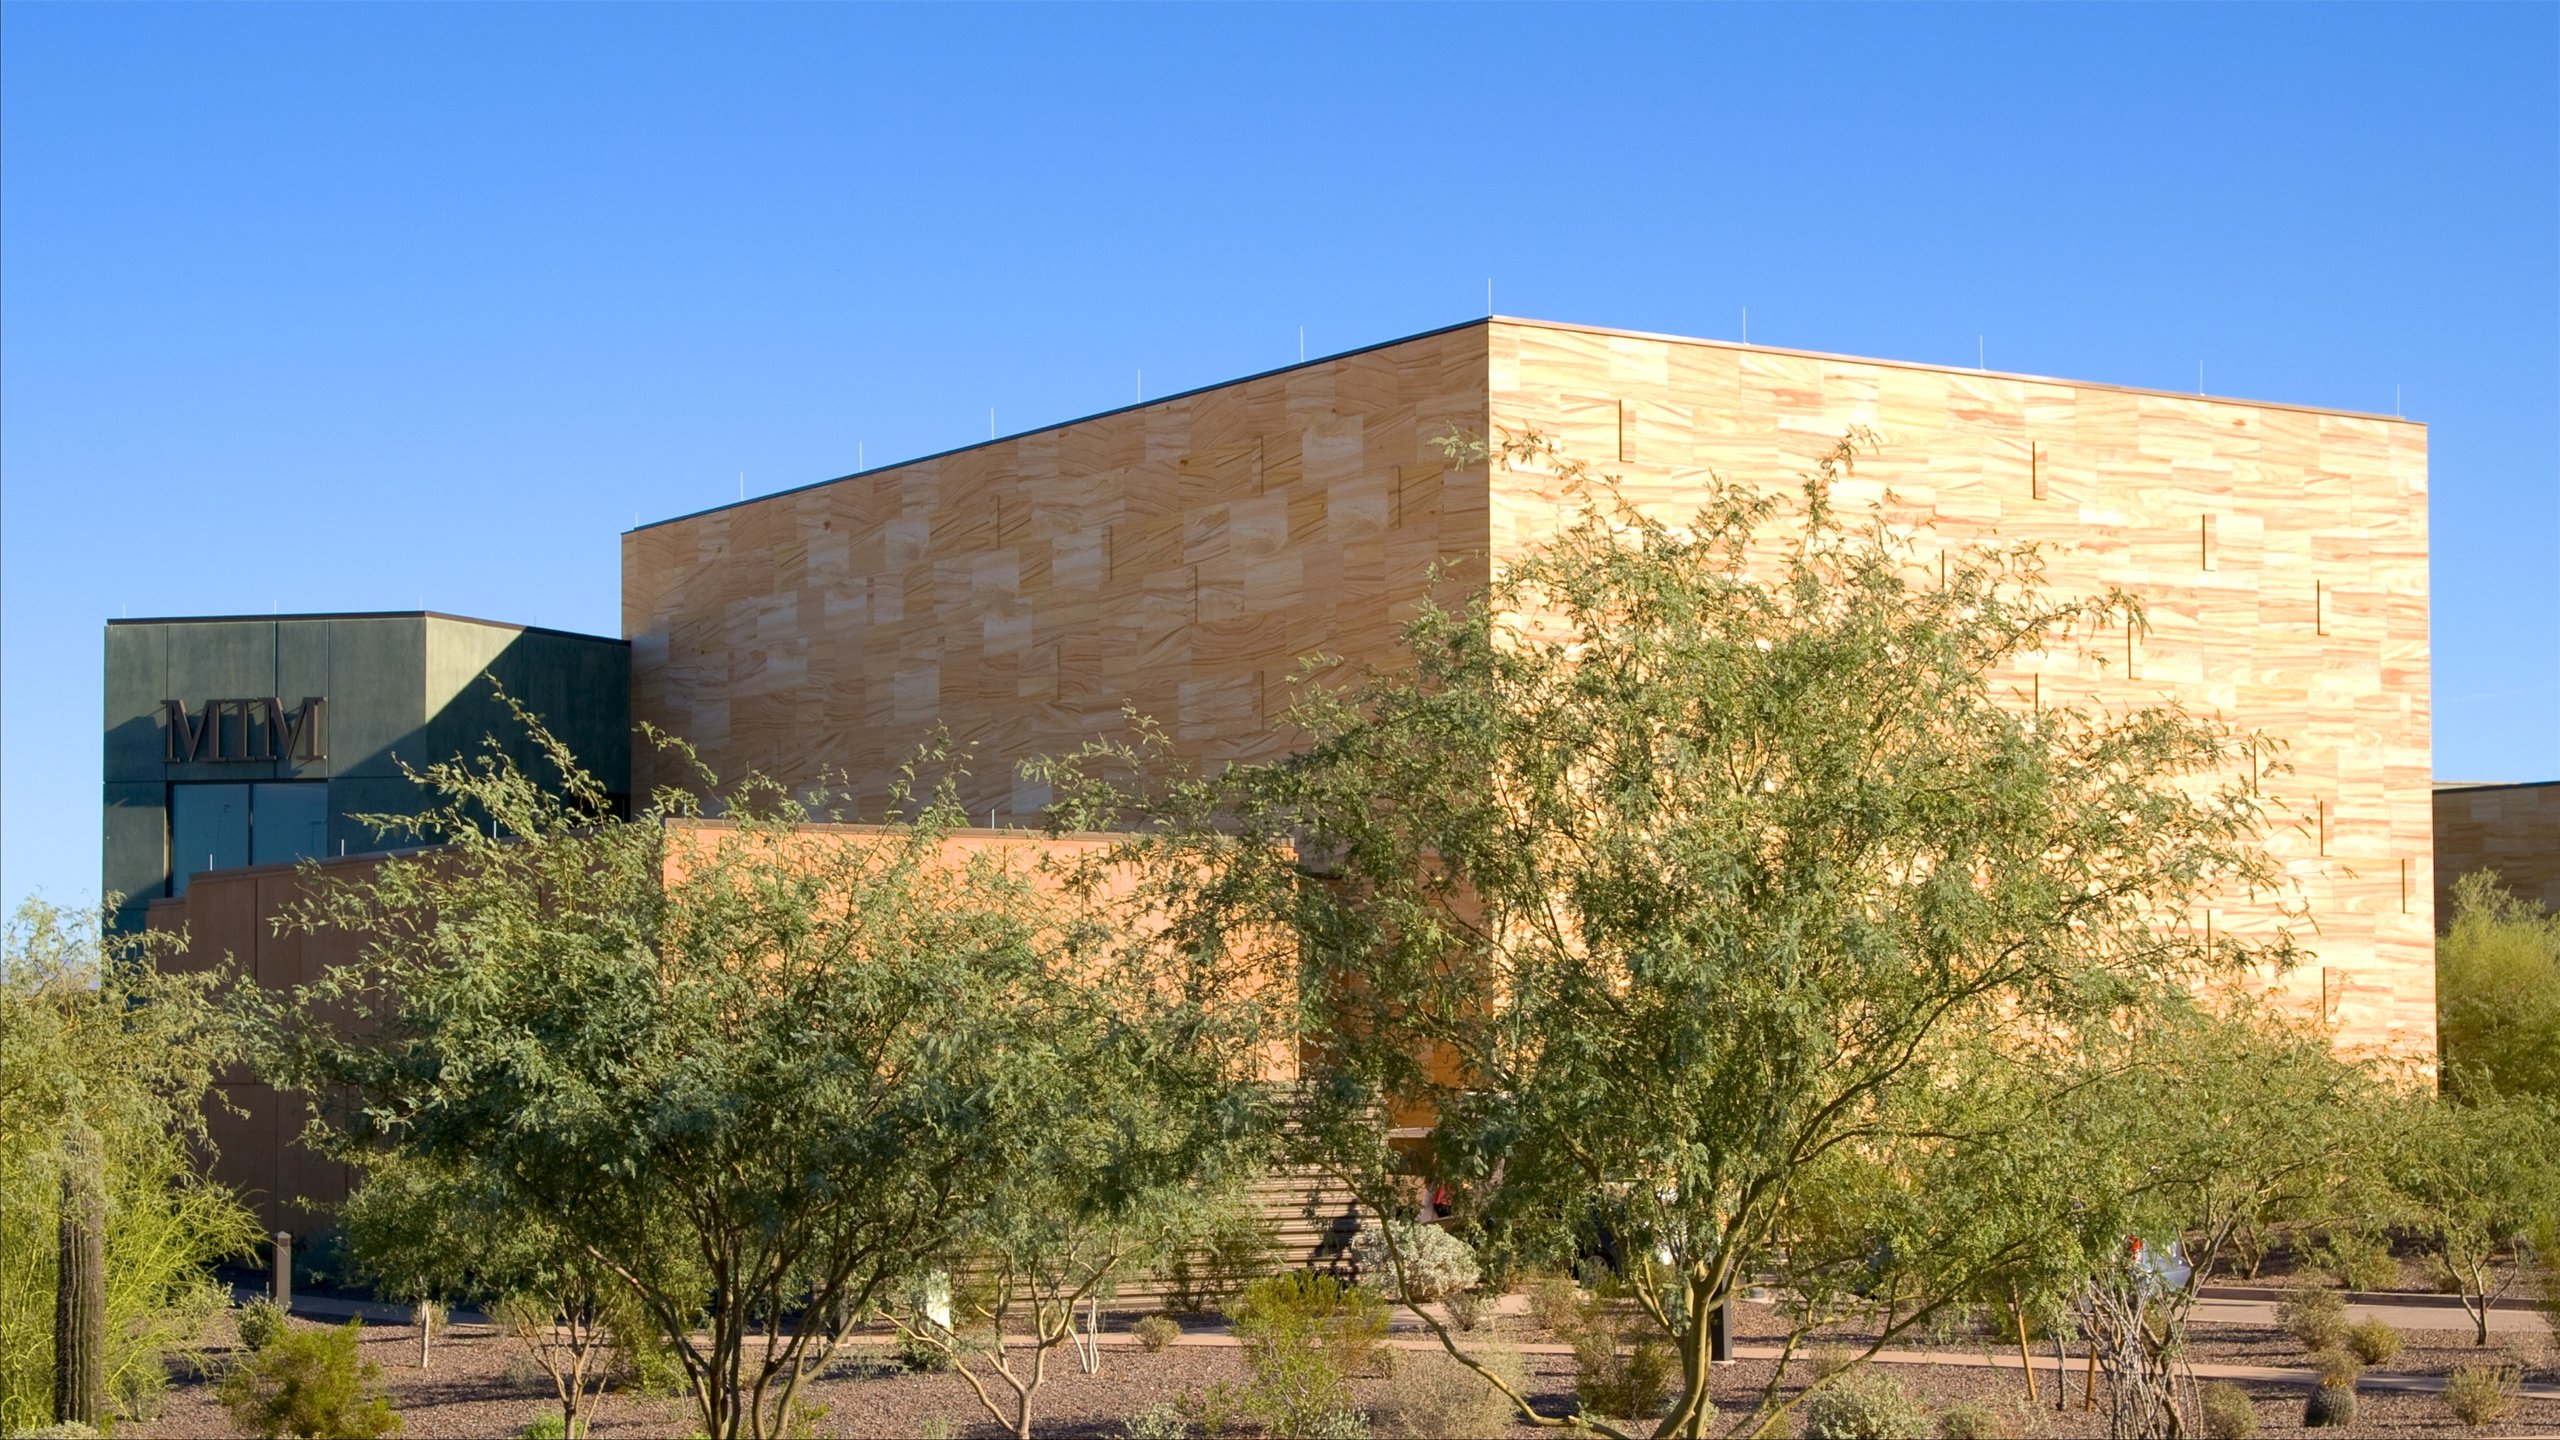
(280, 1276)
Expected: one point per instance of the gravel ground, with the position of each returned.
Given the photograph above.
(481, 1387)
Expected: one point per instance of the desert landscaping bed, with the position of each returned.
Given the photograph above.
(481, 1386)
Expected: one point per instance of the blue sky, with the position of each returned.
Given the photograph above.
(370, 307)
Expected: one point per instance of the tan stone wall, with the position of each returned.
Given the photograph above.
(1177, 556)
(2512, 829)
(2282, 553)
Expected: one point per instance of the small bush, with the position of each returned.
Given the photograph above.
(2329, 1406)
(547, 1426)
(1465, 1308)
(1209, 1274)
(1215, 1409)
(1436, 1396)
(1435, 1261)
(1976, 1420)
(1305, 1336)
(1830, 1360)
(1163, 1422)
(312, 1383)
(2480, 1394)
(2338, 1369)
(1154, 1332)
(2372, 1341)
(1612, 1375)
(2359, 1261)
(261, 1323)
(1869, 1405)
(1553, 1303)
(2229, 1414)
(2316, 1318)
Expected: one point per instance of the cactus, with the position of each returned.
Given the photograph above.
(2329, 1405)
(80, 1299)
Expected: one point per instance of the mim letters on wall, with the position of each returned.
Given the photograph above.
(246, 729)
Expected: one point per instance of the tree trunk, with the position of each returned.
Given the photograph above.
(80, 1295)
(2026, 1361)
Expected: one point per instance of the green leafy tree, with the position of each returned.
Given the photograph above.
(754, 1068)
(2186, 1129)
(98, 1037)
(2498, 993)
(2477, 1176)
(439, 1235)
(1689, 862)
(1141, 1115)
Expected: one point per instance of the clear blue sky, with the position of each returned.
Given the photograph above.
(366, 307)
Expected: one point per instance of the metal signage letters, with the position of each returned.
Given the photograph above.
(261, 723)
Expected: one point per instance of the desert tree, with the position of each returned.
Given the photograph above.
(757, 1067)
(2476, 1176)
(1676, 869)
(2188, 1127)
(112, 1058)
(1147, 1116)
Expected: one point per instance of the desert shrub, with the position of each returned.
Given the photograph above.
(262, 1323)
(2480, 1394)
(2498, 993)
(1869, 1405)
(1435, 1261)
(1161, 1422)
(2372, 1341)
(2337, 1368)
(1305, 1336)
(1436, 1396)
(2228, 1412)
(1553, 1302)
(1830, 1360)
(1215, 1409)
(311, 1383)
(1465, 1308)
(2315, 1317)
(1154, 1332)
(2358, 1260)
(1214, 1270)
(1614, 1374)
(1976, 1420)
(549, 1425)
(2329, 1406)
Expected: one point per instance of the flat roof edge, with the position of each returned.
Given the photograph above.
(1489, 321)
(365, 615)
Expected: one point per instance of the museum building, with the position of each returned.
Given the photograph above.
(1178, 557)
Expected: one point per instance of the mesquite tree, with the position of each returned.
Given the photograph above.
(756, 1068)
(1691, 860)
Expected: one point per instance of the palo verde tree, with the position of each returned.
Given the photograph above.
(1150, 1114)
(1687, 862)
(2478, 1175)
(107, 1060)
(755, 1067)
(2187, 1128)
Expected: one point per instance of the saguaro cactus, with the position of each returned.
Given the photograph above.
(80, 1297)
